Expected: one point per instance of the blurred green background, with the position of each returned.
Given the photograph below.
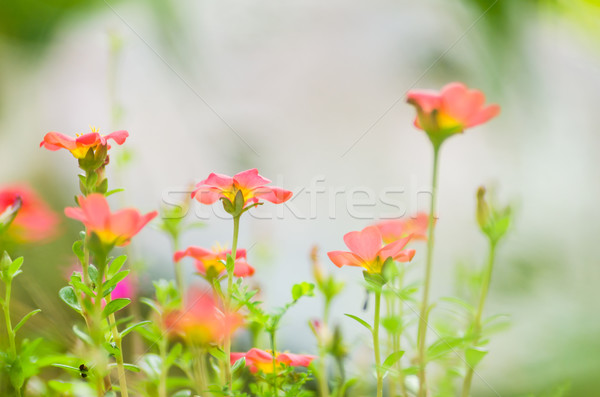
(312, 89)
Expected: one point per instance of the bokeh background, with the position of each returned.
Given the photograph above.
(312, 94)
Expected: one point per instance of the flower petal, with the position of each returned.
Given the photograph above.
(242, 268)
(365, 243)
(275, 195)
(295, 360)
(56, 140)
(118, 136)
(394, 249)
(483, 115)
(197, 253)
(217, 180)
(250, 179)
(344, 258)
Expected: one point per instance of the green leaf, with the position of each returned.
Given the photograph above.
(173, 354)
(14, 268)
(17, 378)
(217, 353)
(392, 324)
(82, 335)
(127, 366)
(80, 286)
(443, 346)
(152, 304)
(134, 326)
(238, 365)
(302, 289)
(473, 355)
(115, 266)
(459, 303)
(93, 273)
(78, 250)
(113, 191)
(110, 285)
(391, 360)
(360, 320)
(67, 294)
(25, 318)
(69, 367)
(114, 306)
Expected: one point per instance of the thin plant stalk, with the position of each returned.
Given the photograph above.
(119, 357)
(323, 384)
(274, 354)
(423, 316)
(227, 342)
(162, 380)
(487, 278)
(376, 343)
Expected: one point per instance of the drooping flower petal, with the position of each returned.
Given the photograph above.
(343, 258)
(111, 229)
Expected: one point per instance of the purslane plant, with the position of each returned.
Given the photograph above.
(442, 115)
(190, 330)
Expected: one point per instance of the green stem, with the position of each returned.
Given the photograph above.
(119, 357)
(178, 270)
(487, 278)
(274, 354)
(9, 328)
(323, 383)
(162, 381)
(422, 331)
(227, 343)
(376, 343)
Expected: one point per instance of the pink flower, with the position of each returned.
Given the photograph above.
(395, 229)
(261, 360)
(367, 250)
(80, 145)
(111, 228)
(34, 220)
(216, 258)
(202, 321)
(124, 289)
(249, 183)
(450, 111)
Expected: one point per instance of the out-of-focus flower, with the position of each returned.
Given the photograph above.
(449, 111)
(111, 228)
(33, 219)
(261, 360)
(249, 183)
(125, 288)
(367, 251)
(215, 259)
(82, 143)
(321, 331)
(202, 320)
(395, 229)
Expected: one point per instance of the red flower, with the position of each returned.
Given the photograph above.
(367, 251)
(80, 145)
(216, 258)
(395, 229)
(202, 320)
(450, 111)
(34, 221)
(111, 228)
(250, 183)
(261, 360)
